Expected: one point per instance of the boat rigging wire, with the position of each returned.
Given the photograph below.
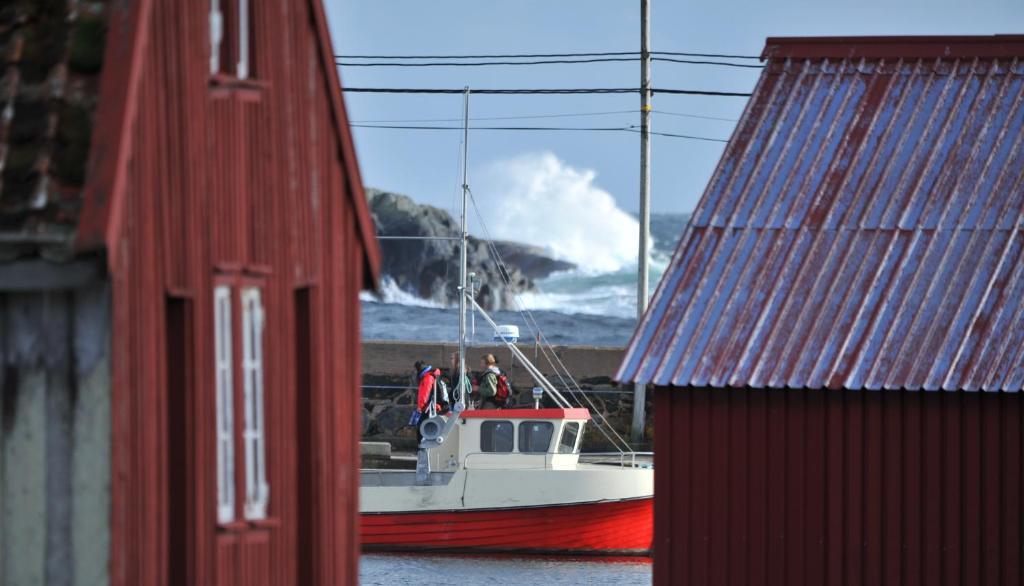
(531, 323)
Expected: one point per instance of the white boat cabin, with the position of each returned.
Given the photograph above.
(485, 439)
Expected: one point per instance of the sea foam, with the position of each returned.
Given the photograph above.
(538, 199)
(390, 292)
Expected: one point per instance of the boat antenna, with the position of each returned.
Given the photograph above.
(461, 403)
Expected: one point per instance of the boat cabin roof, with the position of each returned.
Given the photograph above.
(527, 414)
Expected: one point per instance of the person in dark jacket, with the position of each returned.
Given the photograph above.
(453, 376)
(489, 382)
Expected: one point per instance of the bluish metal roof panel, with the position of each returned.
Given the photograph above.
(863, 230)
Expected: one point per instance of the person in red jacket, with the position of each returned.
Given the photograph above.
(427, 376)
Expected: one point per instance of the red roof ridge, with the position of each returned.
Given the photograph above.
(907, 47)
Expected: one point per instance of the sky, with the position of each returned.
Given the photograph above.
(424, 164)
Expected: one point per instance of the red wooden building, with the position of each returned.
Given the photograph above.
(183, 236)
(838, 344)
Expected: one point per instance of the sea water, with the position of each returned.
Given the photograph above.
(390, 569)
(592, 305)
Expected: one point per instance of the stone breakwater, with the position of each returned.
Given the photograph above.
(389, 392)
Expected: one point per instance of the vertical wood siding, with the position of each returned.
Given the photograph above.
(837, 487)
(242, 180)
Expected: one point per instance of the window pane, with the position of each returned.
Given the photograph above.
(570, 432)
(225, 404)
(216, 35)
(535, 436)
(256, 490)
(496, 436)
(242, 70)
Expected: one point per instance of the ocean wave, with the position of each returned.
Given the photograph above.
(390, 292)
(538, 199)
(581, 292)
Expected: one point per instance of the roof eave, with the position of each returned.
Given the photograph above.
(892, 47)
(99, 224)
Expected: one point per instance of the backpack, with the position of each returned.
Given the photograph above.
(501, 396)
(443, 397)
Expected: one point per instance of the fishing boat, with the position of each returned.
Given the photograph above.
(511, 480)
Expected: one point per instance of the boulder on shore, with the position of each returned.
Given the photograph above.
(429, 269)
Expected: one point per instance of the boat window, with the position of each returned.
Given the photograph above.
(570, 432)
(535, 436)
(496, 436)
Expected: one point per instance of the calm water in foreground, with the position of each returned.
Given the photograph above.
(389, 569)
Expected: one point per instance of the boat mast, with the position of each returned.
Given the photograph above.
(461, 403)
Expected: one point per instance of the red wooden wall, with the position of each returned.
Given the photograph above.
(249, 181)
(837, 487)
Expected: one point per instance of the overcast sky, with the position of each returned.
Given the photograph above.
(424, 164)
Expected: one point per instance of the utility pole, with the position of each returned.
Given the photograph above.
(640, 391)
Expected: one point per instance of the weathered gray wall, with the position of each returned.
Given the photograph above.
(388, 364)
(55, 436)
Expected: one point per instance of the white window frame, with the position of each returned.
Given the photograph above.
(223, 361)
(257, 492)
(243, 9)
(242, 67)
(216, 35)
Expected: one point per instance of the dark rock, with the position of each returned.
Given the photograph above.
(391, 420)
(430, 268)
(533, 261)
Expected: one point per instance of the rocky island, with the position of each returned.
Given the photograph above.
(429, 269)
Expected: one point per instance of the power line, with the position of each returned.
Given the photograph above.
(544, 62)
(550, 55)
(702, 93)
(539, 116)
(688, 136)
(522, 117)
(483, 63)
(700, 116)
(708, 55)
(691, 62)
(492, 56)
(540, 128)
(543, 91)
(551, 91)
(417, 127)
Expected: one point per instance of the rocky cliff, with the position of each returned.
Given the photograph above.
(430, 268)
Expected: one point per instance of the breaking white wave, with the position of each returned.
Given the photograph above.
(538, 199)
(390, 292)
(576, 292)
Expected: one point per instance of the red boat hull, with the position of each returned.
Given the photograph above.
(604, 528)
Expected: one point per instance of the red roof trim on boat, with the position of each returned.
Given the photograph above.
(526, 414)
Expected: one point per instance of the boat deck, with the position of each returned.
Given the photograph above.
(387, 477)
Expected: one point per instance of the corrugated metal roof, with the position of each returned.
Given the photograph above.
(863, 229)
